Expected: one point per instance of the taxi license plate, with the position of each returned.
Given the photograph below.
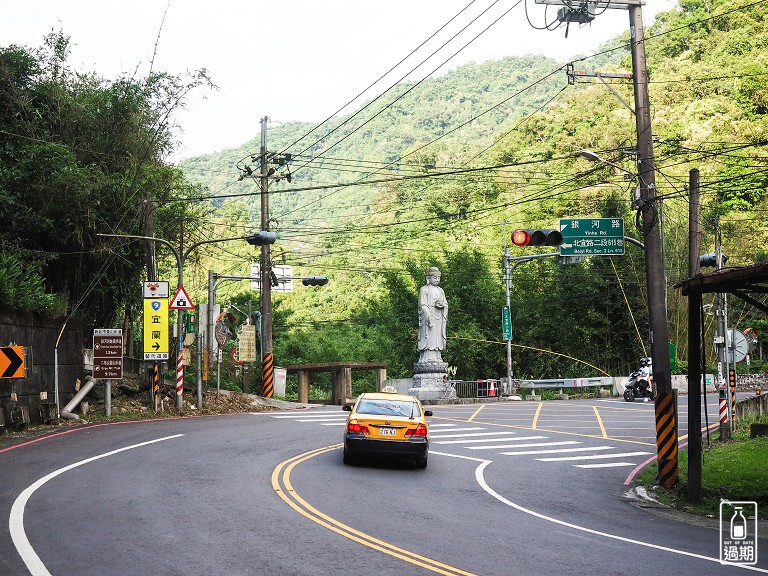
(387, 432)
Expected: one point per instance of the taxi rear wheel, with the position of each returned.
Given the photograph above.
(422, 462)
(347, 458)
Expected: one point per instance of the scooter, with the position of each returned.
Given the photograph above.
(637, 387)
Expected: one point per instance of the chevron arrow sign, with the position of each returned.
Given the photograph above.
(12, 362)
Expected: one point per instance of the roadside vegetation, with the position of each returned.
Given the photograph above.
(732, 470)
(435, 173)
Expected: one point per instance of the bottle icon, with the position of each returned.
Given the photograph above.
(738, 525)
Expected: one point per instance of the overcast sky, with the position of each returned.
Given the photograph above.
(296, 60)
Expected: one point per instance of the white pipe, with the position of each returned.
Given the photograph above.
(66, 412)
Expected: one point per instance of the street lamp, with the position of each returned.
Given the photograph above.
(180, 260)
(595, 157)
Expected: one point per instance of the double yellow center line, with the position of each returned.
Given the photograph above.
(281, 483)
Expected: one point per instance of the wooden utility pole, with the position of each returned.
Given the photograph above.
(268, 368)
(666, 401)
(649, 205)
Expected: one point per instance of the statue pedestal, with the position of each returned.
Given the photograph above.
(428, 382)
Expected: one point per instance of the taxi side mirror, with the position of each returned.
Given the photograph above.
(427, 412)
(347, 407)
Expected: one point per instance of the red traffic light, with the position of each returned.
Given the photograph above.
(537, 238)
(521, 237)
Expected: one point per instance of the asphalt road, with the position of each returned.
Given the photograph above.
(507, 491)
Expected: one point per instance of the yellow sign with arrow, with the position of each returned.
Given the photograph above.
(155, 328)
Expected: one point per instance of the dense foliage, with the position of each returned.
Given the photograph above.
(376, 241)
(435, 172)
(79, 156)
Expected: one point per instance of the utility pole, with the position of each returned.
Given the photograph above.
(649, 204)
(268, 366)
(694, 346)
(666, 401)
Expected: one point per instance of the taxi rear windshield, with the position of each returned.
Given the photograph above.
(389, 408)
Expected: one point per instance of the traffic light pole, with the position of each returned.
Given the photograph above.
(268, 367)
(509, 272)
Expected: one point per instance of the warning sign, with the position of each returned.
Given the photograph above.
(181, 301)
(12, 362)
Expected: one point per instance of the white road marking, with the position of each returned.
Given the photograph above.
(604, 465)
(16, 521)
(556, 451)
(593, 456)
(479, 476)
(333, 419)
(302, 415)
(504, 439)
(460, 432)
(525, 445)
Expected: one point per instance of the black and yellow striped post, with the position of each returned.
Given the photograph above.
(268, 375)
(156, 387)
(666, 437)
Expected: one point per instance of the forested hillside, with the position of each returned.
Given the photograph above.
(509, 134)
(437, 172)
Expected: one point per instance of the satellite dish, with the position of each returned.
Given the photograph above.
(737, 347)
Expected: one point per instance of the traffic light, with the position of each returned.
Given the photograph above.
(190, 320)
(524, 237)
(255, 319)
(315, 280)
(261, 238)
(710, 260)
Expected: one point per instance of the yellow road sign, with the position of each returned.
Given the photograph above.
(156, 329)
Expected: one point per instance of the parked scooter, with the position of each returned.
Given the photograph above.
(638, 385)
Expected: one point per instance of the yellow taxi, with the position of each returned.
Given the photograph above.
(387, 425)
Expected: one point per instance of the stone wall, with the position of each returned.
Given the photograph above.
(38, 335)
(752, 382)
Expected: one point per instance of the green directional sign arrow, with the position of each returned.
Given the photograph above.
(592, 236)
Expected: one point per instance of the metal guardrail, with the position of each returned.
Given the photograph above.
(557, 383)
(495, 388)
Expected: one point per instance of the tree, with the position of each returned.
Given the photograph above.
(81, 155)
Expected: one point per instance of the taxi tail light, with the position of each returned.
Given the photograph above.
(355, 428)
(419, 432)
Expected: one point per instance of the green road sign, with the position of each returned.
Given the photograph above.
(506, 323)
(592, 236)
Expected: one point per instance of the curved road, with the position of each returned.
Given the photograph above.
(510, 489)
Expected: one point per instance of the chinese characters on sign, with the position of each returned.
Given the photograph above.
(738, 532)
(156, 329)
(108, 353)
(247, 343)
(592, 236)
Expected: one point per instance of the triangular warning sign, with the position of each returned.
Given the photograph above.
(181, 301)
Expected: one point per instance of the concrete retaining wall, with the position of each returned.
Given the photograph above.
(38, 336)
(752, 407)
